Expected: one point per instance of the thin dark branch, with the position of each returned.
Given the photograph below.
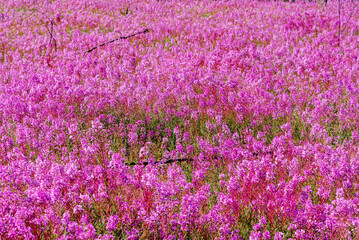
(103, 44)
(262, 153)
(165, 162)
(51, 36)
(51, 33)
(188, 159)
(350, 16)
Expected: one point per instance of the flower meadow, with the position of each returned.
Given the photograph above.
(179, 119)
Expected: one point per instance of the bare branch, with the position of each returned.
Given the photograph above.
(165, 162)
(51, 33)
(103, 44)
(350, 16)
(190, 159)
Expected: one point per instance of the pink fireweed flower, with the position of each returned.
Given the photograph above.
(278, 236)
(77, 209)
(164, 142)
(255, 235)
(132, 138)
(266, 235)
(112, 222)
(190, 149)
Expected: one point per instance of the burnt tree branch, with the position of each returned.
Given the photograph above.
(50, 32)
(114, 40)
(255, 154)
(165, 162)
(350, 16)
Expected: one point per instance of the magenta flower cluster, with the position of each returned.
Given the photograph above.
(225, 120)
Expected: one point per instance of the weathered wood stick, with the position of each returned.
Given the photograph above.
(103, 44)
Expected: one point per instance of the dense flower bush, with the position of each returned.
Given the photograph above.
(259, 99)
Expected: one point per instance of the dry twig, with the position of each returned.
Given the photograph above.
(165, 162)
(51, 33)
(103, 44)
(350, 16)
(189, 159)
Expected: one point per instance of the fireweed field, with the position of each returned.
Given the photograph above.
(213, 119)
